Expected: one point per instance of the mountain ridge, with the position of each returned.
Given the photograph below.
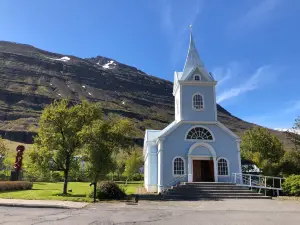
(31, 78)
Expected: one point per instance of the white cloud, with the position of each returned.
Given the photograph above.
(251, 84)
(166, 16)
(258, 15)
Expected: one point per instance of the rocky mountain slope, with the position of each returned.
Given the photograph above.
(31, 78)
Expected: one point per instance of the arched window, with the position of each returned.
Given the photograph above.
(178, 166)
(198, 103)
(199, 133)
(223, 167)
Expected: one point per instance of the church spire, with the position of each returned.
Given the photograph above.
(192, 60)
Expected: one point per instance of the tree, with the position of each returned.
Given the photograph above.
(294, 134)
(133, 163)
(59, 138)
(3, 152)
(263, 148)
(290, 163)
(102, 139)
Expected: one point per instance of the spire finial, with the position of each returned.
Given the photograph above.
(191, 28)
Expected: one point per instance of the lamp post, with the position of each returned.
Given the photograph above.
(95, 187)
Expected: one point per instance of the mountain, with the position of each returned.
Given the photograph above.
(31, 78)
(296, 131)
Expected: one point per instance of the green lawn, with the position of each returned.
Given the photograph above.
(52, 191)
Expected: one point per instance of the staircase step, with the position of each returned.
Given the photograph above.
(195, 186)
(210, 190)
(213, 194)
(208, 183)
(215, 198)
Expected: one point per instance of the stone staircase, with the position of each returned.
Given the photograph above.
(210, 190)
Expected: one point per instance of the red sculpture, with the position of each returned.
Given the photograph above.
(18, 163)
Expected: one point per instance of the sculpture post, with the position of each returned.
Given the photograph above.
(18, 163)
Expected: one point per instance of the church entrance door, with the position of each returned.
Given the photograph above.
(203, 171)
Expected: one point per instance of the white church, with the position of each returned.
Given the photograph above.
(195, 147)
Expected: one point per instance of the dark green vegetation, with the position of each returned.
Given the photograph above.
(108, 190)
(15, 185)
(30, 79)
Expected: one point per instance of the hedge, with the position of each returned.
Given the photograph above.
(15, 185)
(291, 185)
(108, 190)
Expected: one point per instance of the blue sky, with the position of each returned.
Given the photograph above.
(251, 46)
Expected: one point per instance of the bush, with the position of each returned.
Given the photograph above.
(4, 177)
(137, 177)
(15, 185)
(57, 176)
(291, 185)
(79, 176)
(108, 190)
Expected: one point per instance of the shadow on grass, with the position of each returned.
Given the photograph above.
(70, 195)
(12, 191)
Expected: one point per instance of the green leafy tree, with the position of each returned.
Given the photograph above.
(294, 134)
(3, 152)
(59, 138)
(102, 139)
(263, 148)
(119, 161)
(133, 163)
(290, 163)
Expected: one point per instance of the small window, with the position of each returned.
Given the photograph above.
(223, 167)
(178, 166)
(198, 102)
(197, 77)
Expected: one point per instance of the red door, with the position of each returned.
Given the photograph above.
(196, 170)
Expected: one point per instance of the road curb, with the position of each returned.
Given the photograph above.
(41, 206)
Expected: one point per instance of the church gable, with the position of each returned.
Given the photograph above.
(198, 75)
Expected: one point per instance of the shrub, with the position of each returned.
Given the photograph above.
(4, 177)
(291, 185)
(137, 177)
(108, 190)
(15, 185)
(57, 176)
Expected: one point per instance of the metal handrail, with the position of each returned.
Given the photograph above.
(173, 182)
(257, 181)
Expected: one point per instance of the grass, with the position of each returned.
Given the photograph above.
(53, 191)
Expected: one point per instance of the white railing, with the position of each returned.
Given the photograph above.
(174, 182)
(258, 181)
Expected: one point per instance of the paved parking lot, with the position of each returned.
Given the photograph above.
(200, 212)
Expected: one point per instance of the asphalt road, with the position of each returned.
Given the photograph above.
(202, 212)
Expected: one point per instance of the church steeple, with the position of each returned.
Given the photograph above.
(193, 68)
(193, 59)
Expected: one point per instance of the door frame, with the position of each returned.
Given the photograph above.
(204, 157)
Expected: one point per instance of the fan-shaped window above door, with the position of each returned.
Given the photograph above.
(199, 133)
